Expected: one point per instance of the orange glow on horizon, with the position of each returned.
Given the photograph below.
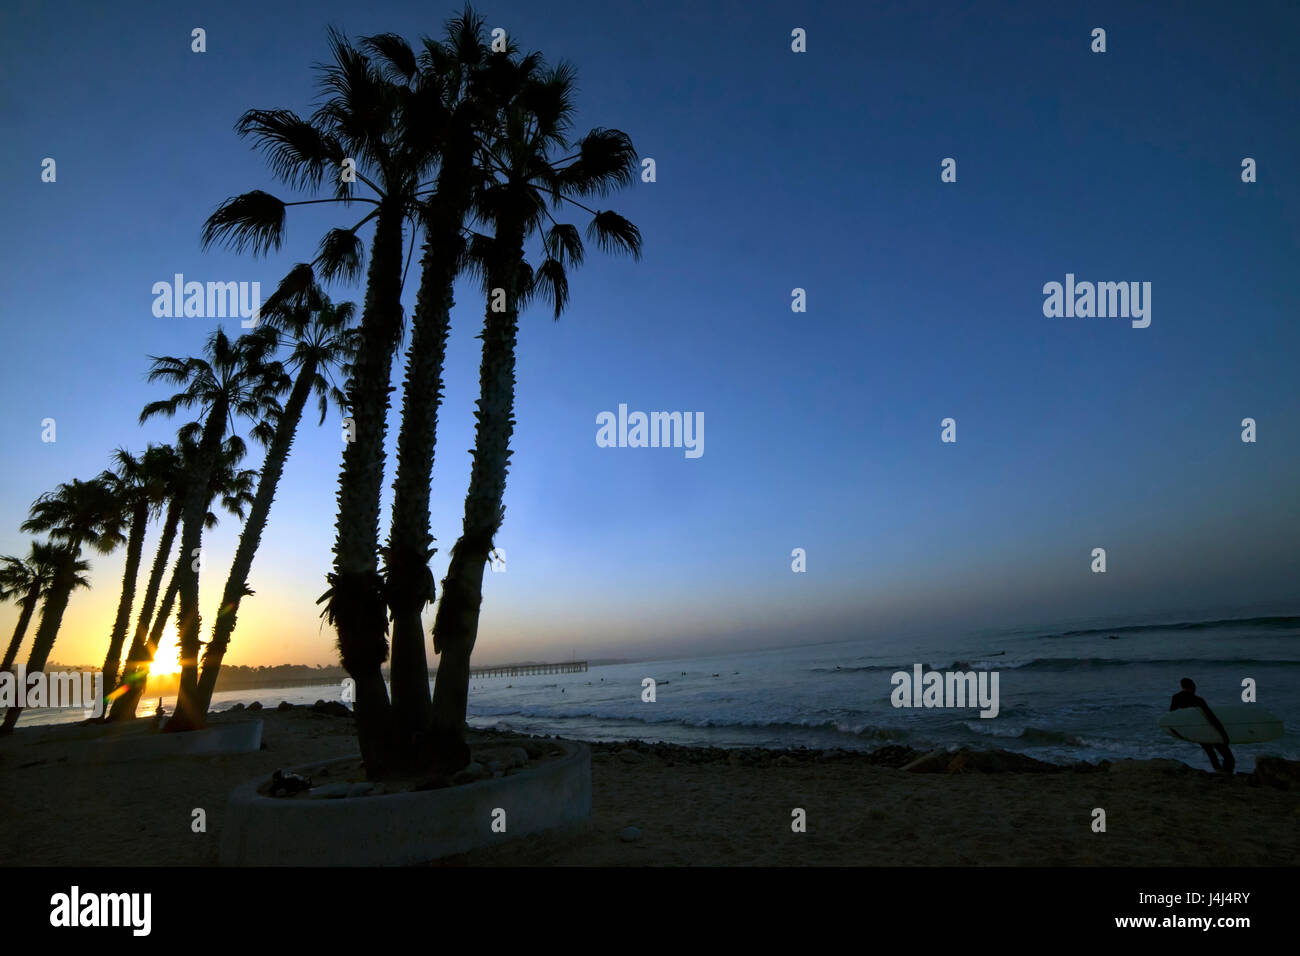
(167, 659)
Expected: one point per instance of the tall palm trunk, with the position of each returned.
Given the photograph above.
(56, 602)
(409, 584)
(20, 630)
(249, 539)
(456, 624)
(185, 716)
(357, 605)
(135, 686)
(134, 546)
(139, 657)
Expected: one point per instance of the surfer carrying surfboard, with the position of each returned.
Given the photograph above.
(1187, 698)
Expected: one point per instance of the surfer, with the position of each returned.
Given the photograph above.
(1187, 698)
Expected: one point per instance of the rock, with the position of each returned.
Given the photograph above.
(893, 755)
(470, 773)
(331, 791)
(997, 761)
(361, 789)
(235, 708)
(1277, 772)
(331, 708)
(1157, 765)
(533, 750)
(433, 782)
(516, 757)
(936, 761)
(629, 834)
(285, 783)
(284, 705)
(255, 705)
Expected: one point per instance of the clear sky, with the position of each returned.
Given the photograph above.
(775, 170)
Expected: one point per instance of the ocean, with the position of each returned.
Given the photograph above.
(1088, 693)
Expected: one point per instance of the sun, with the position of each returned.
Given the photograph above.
(167, 659)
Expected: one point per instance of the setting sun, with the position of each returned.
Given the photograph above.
(167, 660)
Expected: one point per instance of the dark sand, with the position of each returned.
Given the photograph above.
(691, 807)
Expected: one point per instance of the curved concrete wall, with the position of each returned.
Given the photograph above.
(239, 737)
(405, 828)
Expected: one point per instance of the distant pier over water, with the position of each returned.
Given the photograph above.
(522, 670)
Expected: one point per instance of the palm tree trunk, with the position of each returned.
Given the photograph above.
(134, 546)
(138, 658)
(20, 630)
(185, 717)
(357, 604)
(409, 582)
(455, 627)
(137, 674)
(249, 539)
(56, 602)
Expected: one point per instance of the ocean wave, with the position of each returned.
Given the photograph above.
(1034, 736)
(1083, 663)
(1260, 623)
(841, 726)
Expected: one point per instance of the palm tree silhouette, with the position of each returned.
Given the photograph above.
(527, 183)
(460, 114)
(27, 580)
(76, 513)
(232, 379)
(139, 485)
(167, 468)
(323, 341)
(361, 119)
(234, 486)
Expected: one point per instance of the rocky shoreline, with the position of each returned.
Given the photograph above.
(1271, 771)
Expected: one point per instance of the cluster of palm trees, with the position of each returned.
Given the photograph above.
(467, 148)
(180, 483)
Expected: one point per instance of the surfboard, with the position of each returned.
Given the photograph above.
(1245, 724)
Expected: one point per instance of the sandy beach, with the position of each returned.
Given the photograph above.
(691, 806)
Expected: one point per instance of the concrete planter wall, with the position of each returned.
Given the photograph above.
(238, 737)
(405, 828)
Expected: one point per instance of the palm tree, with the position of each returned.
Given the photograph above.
(361, 119)
(527, 184)
(323, 340)
(27, 580)
(76, 513)
(168, 468)
(233, 379)
(139, 484)
(450, 74)
(234, 486)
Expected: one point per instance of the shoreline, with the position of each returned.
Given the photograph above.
(692, 806)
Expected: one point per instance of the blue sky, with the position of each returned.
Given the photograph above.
(775, 170)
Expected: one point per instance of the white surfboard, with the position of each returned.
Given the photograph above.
(1245, 724)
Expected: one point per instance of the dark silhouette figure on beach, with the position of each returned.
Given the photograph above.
(1187, 698)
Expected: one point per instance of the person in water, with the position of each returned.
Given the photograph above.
(1187, 698)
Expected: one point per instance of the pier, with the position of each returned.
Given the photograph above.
(523, 670)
